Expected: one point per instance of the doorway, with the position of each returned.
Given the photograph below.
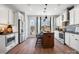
(32, 26)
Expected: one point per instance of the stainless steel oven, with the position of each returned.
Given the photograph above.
(62, 37)
(9, 39)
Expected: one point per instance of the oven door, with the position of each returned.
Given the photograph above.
(61, 35)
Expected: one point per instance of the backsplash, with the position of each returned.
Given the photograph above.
(6, 29)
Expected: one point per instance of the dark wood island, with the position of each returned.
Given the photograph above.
(48, 40)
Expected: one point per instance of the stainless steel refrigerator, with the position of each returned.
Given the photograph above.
(20, 31)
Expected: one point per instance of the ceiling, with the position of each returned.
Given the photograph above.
(37, 9)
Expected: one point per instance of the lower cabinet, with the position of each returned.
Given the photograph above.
(75, 42)
(67, 38)
(48, 40)
(2, 44)
(72, 40)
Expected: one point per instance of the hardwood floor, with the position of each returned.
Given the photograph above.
(28, 47)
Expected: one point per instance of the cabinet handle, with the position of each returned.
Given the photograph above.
(72, 35)
(76, 39)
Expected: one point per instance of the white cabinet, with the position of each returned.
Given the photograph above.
(67, 38)
(75, 42)
(72, 40)
(76, 16)
(6, 15)
(3, 15)
(16, 19)
(65, 15)
(59, 21)
(72, 17)
(2, 44)
(11, 17)
(6, 46)
(56, 34)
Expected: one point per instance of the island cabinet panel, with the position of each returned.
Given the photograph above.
(48, 40)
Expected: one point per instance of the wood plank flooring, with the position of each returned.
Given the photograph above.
(28, 47)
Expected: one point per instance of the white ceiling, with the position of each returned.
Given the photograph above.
(37, 9)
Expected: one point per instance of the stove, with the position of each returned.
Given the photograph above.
(62, 37)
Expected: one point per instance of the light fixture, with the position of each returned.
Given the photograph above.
(45, 8)
(45, 18)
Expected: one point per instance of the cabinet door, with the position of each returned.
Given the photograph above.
(2, 44)
(65, 16)
(11, 17)
(56, 35)
(67, 38)
(72, 15)
(76, 42)
(60, 20)
(72, 40)
(3, 15)
(57, 21)
(77, 16)
(16, 19)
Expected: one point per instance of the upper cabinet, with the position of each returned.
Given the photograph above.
(6, 15)
(3, 15)
(65, 15)
(11, 17)
(59, 21)
(74, 16)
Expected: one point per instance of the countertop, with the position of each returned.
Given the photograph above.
(8, 33)
(73, 32)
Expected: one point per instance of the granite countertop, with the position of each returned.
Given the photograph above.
(73, 32)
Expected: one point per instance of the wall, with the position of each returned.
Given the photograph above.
(27, 28)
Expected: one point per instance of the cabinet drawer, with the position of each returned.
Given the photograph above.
(74, 43)
(77, 37)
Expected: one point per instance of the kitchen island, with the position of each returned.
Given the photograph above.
(48, 40)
